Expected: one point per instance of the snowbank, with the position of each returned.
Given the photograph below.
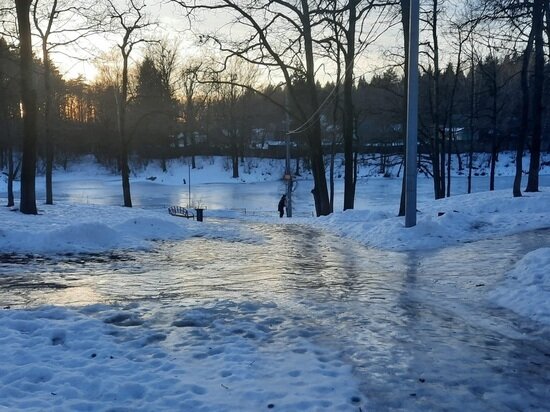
(526, 288)
(223, 357)
(444, 222)
(63, 228)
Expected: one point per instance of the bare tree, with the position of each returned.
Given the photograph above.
(189, 80)
(59, 23)
(524, 115)
(28, 100)
(278, 36)
(462, 31)
(523, 25)
(539, 6)
(437, 141)
(232, 87)
(352, 35)
(129, 22)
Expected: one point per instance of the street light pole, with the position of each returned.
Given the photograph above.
(288, 177)
(189, 180)
(288, 173)
(412, 115)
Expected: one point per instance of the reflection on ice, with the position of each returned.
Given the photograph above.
(417, 327)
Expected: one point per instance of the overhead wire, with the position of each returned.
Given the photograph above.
(309, 122)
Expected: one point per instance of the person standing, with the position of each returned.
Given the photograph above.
(282, 205)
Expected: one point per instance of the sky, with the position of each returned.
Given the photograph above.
(172, 24)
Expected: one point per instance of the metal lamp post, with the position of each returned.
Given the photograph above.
(288, 177)
(189, 186)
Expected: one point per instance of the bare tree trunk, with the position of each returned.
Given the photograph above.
(451, 112)
(48, 123)
(48, 106)
(494, 140)
(320, 192)
(11, 176)
(449, 155)
(349, 58)
(28, 100)
(524, 115)
(534, 165)
(438, 157)
(355, 169)
(472, 114)
(331, 173)
(124, 141)
(235, 158)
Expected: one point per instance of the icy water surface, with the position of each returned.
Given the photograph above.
(417, 327)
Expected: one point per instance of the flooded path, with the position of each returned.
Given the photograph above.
(417, 327)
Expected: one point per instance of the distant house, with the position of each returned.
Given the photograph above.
(182, 140)
(458, 133)
(276, 144)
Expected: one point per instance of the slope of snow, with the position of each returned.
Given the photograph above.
(440, 223)
(64, 228)
(526, 288)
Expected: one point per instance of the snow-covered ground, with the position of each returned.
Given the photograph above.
(109, 358)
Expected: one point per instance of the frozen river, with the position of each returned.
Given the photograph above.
(370, 193)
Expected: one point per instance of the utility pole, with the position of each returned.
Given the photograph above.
(288, 173)
(189, 183)
(412, 115)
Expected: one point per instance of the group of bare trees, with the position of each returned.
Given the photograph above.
(294, 40)
(482, 69)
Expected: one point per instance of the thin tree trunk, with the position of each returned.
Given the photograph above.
(494, 159)
(48, 123)
(451, 112)
(349, 187)
(494, 140)
(124, 141)
(355, 169)
(235, 159)
(319, 191)
(524, 115)
(534, 165)
(472, 114)
(335, 119)
(331, 172)
(48, 107)
(439, 154)
(11, 177)
(442, 156)
(449, 155)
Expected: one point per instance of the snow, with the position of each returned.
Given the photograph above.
(526, 289)
(444, 222)
(103, 358)
(225, 355)
(65, 228)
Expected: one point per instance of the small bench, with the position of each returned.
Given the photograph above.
(180, 212)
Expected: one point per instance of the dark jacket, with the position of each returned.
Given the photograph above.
(282, 204)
